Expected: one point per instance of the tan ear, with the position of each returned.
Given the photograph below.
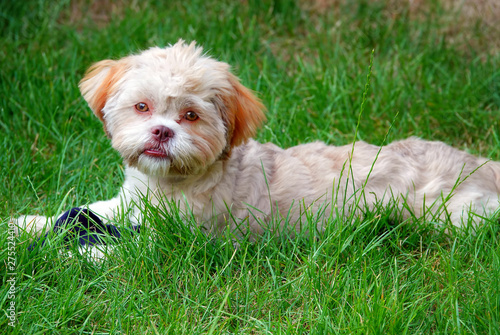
(245, 112)
(99, 83)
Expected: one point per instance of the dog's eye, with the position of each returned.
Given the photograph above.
(191, 116)
(142, 107)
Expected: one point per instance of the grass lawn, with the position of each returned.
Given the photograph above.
(435, 74)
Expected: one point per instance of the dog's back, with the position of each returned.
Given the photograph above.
(420, 177)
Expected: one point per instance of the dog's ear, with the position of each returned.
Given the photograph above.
(99, 83)
(243, 112)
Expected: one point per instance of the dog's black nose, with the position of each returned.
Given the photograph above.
(162, 133)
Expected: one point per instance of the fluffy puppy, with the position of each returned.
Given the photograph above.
(183, 125)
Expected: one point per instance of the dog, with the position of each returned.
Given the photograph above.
(183, 124)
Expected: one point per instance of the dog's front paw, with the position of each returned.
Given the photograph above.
(32, 224)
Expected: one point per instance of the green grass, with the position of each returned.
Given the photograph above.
(365, 275)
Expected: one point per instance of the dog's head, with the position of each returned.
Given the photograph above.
(173, 110)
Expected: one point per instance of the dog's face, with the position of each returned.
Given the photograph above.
(171, 111)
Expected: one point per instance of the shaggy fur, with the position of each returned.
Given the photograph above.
(182, 123)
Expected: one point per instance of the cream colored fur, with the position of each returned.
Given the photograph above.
(210, 167)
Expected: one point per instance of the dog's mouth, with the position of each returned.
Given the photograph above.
(156, 152)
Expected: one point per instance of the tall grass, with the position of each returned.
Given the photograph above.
(363, 275)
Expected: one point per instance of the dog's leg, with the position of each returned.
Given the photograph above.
(108, 209)
(37, 225)
(32, 224)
